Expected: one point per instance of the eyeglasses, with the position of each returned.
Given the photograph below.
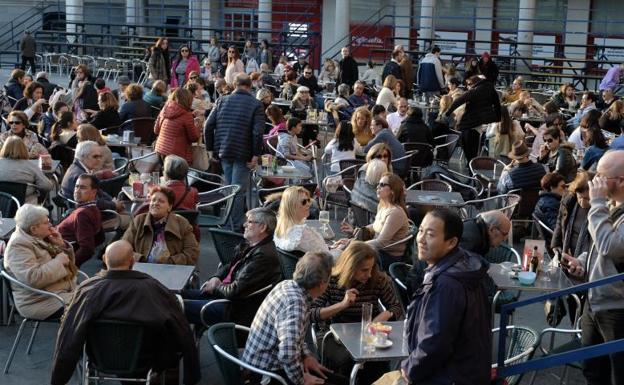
(382, 185)
(184, 50)
(504, 234)
(382, 156)
(305, 201)
(307, 73)
(247, 222)
(193, 77)
(549, 140)
(14, 122)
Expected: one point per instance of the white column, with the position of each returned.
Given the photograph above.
(327, 27)
(483, 25)
(526, 26)
(342, 25)
(134, 17)
(195, 16)
(402, 23)
(576, 29)
(74, 14)
(265, 20)
(209, 19)
(427, 28)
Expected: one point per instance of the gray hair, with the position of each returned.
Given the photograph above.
(313, 268)
(263, 93)
(343, 90)
(265, 216)
(41, 74)
(494, 218)
(83, 149)
(375, 170)
(29, 215)
(242, 80)
(175, 167)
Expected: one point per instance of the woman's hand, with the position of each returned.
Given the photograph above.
(349, 298)
(341, 243)
(55, 237)
(63, 258)
(544, 150)
(346, 227)
(383, 316)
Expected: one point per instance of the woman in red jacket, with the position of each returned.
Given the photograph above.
(175, 126)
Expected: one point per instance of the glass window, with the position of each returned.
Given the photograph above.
(607, 18)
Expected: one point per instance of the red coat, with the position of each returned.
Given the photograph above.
(176, 131)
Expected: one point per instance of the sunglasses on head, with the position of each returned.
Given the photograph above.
(305, 201)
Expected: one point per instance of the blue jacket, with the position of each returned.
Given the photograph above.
(430, 77)
(386, 136)
(14, 90)
(235, 126)
(448, 324)
(547, 208)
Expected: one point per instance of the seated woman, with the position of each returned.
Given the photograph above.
(414, 128)
(547, 207)
(386, 96)
(18, 126)
(391, 222)
(157, 96)
(38, 256)
(302, 102)
(107, 116)
(360, 121)
(513, 93)
(89, 132)
(291, 232)
(50, 117)
(275, 115)
(566, 98)
(611, 120)
(343, 146)
(596, 145)
(134, 107)
(355, 280)
(64, 131)
(379, 151)
(32, 103)
(287, 146)
(552, 120)
(503, 134)
(557, 154)
(364, 193)
(161, 236)
(15, 167)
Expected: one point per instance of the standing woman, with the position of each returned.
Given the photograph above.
(266, 55)
(184, 63)
(176, 127)
(214, 55)
(234, 65)
(160, 61)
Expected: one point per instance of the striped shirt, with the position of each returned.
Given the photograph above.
(276, 340)
(378, 287)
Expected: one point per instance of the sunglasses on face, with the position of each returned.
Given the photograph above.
(307, 73)
(549, 140)
(382, 185)
(305, 201)
(193, 77)
(382, 156)
(184, 50)
(14, 122)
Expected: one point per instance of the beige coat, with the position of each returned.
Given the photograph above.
(28, 260)
(179, 236)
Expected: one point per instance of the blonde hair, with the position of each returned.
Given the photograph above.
(445, 103)
(159, 87)
(286, 216)
(375, 169)
(109, 100)
(89, 132)
(359, 111)
(616, 110)
(377, 150)
(398, 192)
(14, 148)
(350, 260)
(390, 82)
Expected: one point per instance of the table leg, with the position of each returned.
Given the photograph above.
(354, 371)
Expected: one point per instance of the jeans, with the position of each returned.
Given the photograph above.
(194, 301)
(237, 172)
(600, 327)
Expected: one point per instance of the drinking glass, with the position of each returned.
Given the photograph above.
(155, 177)
(367, 338)
(324, 217)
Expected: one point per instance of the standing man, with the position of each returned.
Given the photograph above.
(233, 134)
(28, 47)
(430, 75)
(482, 107)
(603, 316)
(347, 68)
(448, 322)
(407, 71)
(393, 67)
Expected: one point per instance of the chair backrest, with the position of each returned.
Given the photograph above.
(118, 347)
(423, 156)
(16, 189)
(445, 147)
(361, 215)
(288, 261)
(431, 185)
(204, 181)
(346, 163)
(527, 203)
(120, 164)
(263, 193)
(8, 205)
(467, 191)
(223, 335)
(513, 201)
(223, 196)
(270, 144)
(142, 127)
(484, 163)
(520, 347)
(398, 272)
(544, 231)
(189, 215)
(112, 186)
(503, 253)
(145, 163)
(472, 208)
(225, 242)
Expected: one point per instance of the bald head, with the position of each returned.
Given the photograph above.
(611, 166)
(119, 255)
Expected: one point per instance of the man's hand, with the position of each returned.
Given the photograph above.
(349, 298)
(572, 265)
(598, 187)
(211, 284)
(310, 364)
(253, 163)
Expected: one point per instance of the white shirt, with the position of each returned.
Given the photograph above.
(394, 121)
(337, 155)
(576, 138)
(302, 238)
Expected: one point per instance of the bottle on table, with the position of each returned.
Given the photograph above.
(534, 263)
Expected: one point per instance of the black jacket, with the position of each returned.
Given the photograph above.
(475, 236)
(482, 105)
(105, 118)
(48, 88)
(256, 267)
(612, 125)
(413, 130)
(448, 324)
(347, 71)
(489, 70)
(134, 297)
(561, 236)
(562, 162)
(391, 68)
(134, 109)
(547, 208)
(311, 83)
(14, 90)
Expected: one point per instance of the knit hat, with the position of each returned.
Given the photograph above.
(485, 55)
(519, 150)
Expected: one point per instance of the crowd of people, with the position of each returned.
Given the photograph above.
(225, 102)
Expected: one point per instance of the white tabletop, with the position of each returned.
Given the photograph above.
(173, 277)
(350, 336)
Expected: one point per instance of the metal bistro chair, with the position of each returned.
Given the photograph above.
(545, 232)
(18, 191)
(398, 272)
(472, 208)
(422, 157)
(502, 253)
(113, 185)
(10, 280)
(222, 338)
(8, 205)
(521, 345)
(482, 166)
(120, 165)
(444, 148)
(362, 216)
(288, 260)
(142, 127)
(431, 185)
(215, 206)
(145, 163)
(225, 243)
(340, 197)
(469, 187)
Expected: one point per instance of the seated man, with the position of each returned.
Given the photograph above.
(522, 172)
(123, 294)
(382, 133)
(359, 98)
(487, 230)
(448, 323)
(255, 266)
(276, 340)
(84, 225)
